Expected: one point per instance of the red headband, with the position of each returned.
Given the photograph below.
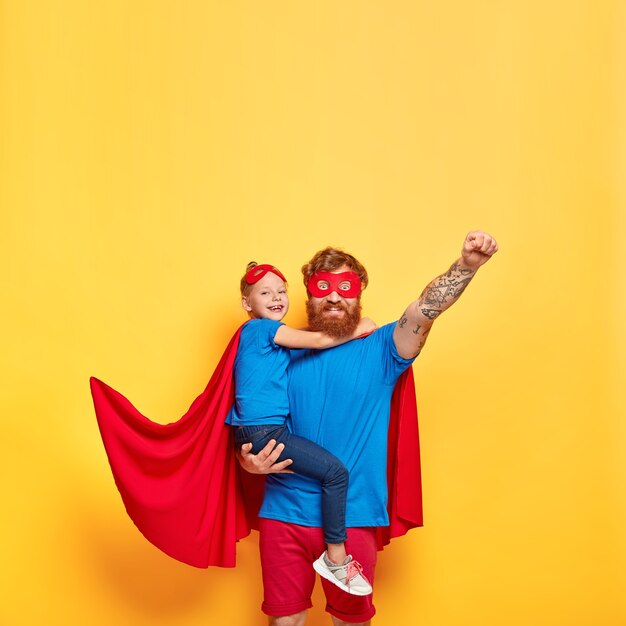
(346, 284)
(258, 271)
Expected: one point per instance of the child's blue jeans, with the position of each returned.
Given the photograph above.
(310, 460)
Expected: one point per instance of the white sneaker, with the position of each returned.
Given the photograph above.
(347, 576)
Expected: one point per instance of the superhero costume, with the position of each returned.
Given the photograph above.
(184, 489)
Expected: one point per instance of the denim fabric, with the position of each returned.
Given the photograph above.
(310, 460)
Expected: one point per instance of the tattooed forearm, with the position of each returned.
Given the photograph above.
(464, 271)
(438, 296)
(444, 291)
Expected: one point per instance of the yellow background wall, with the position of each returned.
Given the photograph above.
(149, 149)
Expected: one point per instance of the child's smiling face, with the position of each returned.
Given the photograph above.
(267, 298)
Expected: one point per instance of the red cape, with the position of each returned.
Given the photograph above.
(184, 489)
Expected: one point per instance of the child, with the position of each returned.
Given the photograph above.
(261, 408)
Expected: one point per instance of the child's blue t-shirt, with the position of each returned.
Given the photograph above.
(340, 399)
(260, 376)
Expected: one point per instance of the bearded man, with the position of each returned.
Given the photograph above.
(340, 399)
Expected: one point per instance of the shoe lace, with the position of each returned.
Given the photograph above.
(353, 569)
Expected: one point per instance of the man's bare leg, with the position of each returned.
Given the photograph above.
(340, 622)
(297, 619)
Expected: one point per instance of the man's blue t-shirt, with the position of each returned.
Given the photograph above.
(260, 376)
(340, 399)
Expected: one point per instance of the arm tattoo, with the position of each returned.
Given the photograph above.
(444, 291)
(455, 267)
(403, 320)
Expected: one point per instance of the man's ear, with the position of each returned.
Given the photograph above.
(245, 304)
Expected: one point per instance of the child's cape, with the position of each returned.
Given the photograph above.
(184, 489)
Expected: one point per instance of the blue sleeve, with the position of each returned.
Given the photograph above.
(393, 364)
(265, 333)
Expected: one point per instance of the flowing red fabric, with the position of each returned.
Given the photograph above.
(185, 491)
(180, 482)
(404, 477)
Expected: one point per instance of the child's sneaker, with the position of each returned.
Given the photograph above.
(347, 576)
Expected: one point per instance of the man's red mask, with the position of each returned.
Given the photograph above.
(346, 284)
(258, 271)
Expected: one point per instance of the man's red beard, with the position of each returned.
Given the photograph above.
(337, 327)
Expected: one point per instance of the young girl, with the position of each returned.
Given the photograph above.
(261, 408)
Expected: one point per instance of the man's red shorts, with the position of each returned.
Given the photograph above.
(287, 555)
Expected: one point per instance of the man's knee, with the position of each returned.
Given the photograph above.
(297, 619)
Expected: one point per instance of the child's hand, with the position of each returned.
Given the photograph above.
(366, 325)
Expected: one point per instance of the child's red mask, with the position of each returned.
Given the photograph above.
(258, 271)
